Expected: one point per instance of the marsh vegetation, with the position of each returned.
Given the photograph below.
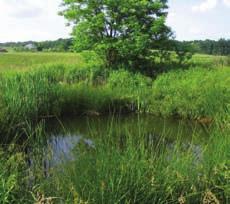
(129, 116)
(133, 163)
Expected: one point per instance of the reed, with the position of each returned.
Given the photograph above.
(138, 171)
(128, 169)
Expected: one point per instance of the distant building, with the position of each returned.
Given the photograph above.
(3, 50)
(30, 46)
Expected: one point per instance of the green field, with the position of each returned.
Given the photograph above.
(35, 86)
(25, 60)
(22, 61)
(77, 75)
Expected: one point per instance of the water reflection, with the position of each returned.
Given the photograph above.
(61, 147)
(65, 136)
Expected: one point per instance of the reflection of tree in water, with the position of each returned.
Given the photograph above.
(67, 140)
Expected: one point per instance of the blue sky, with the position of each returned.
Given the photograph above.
(23, 20)
(199, 19)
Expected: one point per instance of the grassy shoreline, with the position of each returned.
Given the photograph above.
(58, 90)
(135, 174)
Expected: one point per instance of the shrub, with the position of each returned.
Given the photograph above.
(193, 93)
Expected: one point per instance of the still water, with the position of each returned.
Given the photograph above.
(64, 136)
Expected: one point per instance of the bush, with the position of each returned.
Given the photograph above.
(193, 93)
(12, 177)
(133, 172)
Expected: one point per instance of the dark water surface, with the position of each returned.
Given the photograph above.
(67, 134)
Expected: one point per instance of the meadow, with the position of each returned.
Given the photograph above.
(37, 86)
(26, 60)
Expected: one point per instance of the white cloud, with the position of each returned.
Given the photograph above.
(171, 14)
(28, 13)
(195, 30)
(23, 20)
(206, 5)
(226, 2)
(13, 8)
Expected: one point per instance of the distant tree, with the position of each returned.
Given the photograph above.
(184, 51)
(124, 31)
(59, 45)
(211, 47)
(222, 47)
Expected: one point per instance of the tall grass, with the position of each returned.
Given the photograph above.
(193, 93)
(26, 61)
(57, 90)
(130, 169)
(21, 165)
(11, 168)
(141, 171)
(52, 89)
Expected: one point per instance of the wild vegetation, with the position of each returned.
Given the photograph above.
(141, 172)
(219, 47)
(60, 45)
(210, 47)
(86, 88)
(26, 60)
(49, 90)
(127, 62)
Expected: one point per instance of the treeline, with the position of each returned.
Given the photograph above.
(54, 46)
(57, 45)
(210, 47)
(15, 44)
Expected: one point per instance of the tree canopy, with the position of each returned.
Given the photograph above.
(124, 31)
(210, 47)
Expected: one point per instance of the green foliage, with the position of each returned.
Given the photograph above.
(113, 172)
(25, 61)
(210, 47)
(12, 167)
(184, 52)
(50, 90)
(27, 96)
(133, 172)
(124, 32)
(59, 45)
(193, 93)
(128, 81)
(57, 90)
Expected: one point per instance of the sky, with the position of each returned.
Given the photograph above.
(22, 20)
(199, 19)
(38, 20)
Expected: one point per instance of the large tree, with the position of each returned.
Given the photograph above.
(125, 31)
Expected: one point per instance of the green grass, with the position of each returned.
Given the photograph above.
(134, 172)
(57, 90)
(77, 84)
(23, 61)
(137, 170)
(210, 61)
(26, 60)
(12, 177)
(194, 93)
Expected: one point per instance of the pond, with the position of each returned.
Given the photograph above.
(64, 136)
